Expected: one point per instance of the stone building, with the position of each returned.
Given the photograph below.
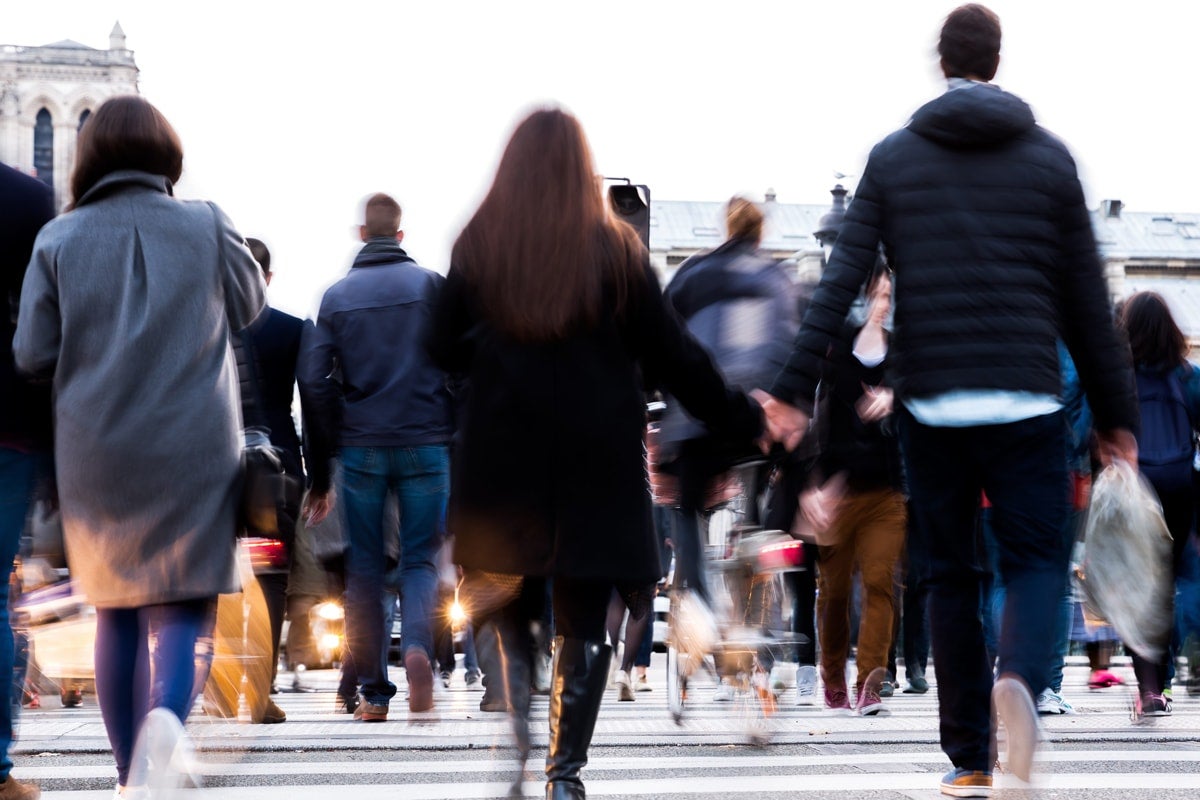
(1142, 251)
(46, 94)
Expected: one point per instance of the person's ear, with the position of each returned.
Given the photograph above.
(362, 232)
(399, 236)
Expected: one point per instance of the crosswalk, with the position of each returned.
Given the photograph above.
(458, 751)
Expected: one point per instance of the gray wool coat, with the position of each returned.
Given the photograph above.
(127, 306)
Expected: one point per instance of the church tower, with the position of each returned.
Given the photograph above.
(47, 93)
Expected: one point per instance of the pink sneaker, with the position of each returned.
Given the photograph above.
(836, 698)
(1102, 679)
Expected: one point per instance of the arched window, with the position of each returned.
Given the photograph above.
(87, 112)
(43, 147)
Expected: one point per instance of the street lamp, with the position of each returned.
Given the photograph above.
(831, 221)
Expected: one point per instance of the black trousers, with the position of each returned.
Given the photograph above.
(1022, 466)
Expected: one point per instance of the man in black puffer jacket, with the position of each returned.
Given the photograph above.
(982, 217)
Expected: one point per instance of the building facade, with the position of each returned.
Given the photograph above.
(47, 93)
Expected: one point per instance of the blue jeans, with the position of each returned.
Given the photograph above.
(419, 478)
(993, 606)
(18, 473)
(128, 684)
(1023, 468)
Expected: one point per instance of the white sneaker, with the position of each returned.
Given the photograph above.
(723, 693)
(783, 677)
(642, 684)
(131, 793)
(806, 686)
(624, 686)
(1051, 702)
(164, 757)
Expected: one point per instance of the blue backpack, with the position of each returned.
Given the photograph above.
(1166, 445)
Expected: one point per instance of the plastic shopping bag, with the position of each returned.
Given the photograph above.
(1127, 576)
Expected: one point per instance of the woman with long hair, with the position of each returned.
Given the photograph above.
(1169, 396)
(127, 307)
(554, 318)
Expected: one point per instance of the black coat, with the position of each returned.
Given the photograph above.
(26, 204)
(983, 220)
(548, 473)
(276, 341)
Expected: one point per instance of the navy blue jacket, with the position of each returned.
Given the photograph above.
(983, 220)
(26, 204)
(366, 378)
(742, 307)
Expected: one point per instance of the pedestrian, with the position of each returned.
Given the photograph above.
(982, 218)
(373, 394)
(268, 388)
(855, 503)
(147, 434)
(553, 315)
(639, 605)
(26, 204)
(1168, 389)
(741, 305)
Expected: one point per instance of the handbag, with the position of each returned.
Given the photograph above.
(271, 497)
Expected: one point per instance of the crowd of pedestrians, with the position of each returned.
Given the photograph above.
(480, 437)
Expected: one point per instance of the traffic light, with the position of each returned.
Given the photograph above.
(631, 202)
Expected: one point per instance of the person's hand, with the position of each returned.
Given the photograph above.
(786, 424)
(875, 403)
(819, 506)
(317, 507)
(1118, 444)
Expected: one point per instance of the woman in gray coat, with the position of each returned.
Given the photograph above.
(127, 308)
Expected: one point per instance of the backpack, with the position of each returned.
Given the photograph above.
(1167, 444)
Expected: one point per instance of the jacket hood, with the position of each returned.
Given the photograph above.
(975, 116)
(122, 178)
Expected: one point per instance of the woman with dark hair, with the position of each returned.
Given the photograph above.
(127, 308)
(1169, 399)
(552, 314)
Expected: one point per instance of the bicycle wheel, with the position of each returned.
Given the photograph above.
(676, 684)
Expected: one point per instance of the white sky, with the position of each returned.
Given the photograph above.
(290, 116)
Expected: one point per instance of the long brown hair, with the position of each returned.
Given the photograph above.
(1154, 338)
(542, 248)
(126, 132)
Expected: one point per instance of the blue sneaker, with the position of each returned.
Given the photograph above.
(960, 782)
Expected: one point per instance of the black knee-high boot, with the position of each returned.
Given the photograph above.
(580, 676)
(515, 646)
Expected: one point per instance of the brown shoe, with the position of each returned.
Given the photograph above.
(13, 789)
(370, 712)
(273, 714)
(420, 680)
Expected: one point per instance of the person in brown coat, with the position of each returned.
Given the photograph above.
(554, 319)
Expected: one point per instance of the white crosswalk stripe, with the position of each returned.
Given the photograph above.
(460, 752)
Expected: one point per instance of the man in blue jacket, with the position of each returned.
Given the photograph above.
(982, 217)
(26, 204)
(372, 393)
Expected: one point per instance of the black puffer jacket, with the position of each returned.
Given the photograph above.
(983, 220)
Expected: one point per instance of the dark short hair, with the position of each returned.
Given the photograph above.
(125, 132)
(970, 42)
(261, 254)
(382, 215)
